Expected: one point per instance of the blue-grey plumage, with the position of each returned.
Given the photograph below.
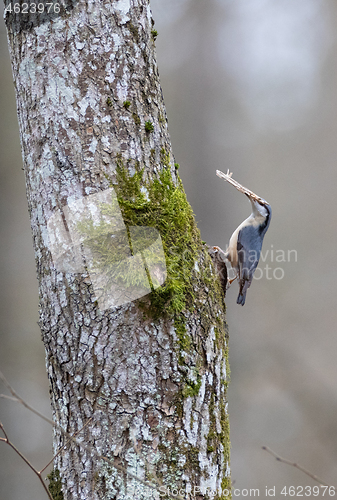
(245, 244)
(249, 245)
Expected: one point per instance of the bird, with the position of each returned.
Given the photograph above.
(244, 248)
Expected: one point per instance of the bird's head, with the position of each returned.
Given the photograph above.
(260, 206)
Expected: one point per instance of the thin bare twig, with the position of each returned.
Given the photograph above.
(66, 444)
(20, 400)
(7, 441)
(86, 446)
(294, 464)
(228, 177)
(4, 396)
(38, 473)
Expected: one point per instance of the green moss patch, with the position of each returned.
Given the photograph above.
(162, 204)
(149, 126)
(55, 484)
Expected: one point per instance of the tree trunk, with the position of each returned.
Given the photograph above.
(131, 311)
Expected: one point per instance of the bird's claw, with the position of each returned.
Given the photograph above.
(230, 281)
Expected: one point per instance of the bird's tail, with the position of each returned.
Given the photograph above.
(244, 285)
(241, 298)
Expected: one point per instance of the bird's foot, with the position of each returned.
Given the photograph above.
(230, 281)
(218, 249)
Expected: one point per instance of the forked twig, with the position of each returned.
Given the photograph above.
(18, 399)
(228, 177)
(38, 473)
(7, 441)
(66, 444)
(71, 438)
(294, 464)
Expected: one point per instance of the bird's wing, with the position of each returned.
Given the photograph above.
(249, 249)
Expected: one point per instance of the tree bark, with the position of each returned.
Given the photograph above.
(133, 322)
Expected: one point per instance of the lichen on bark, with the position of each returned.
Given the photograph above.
(151, 373)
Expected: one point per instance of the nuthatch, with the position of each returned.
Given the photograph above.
(245, 244)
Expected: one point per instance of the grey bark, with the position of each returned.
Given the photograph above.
(73, 73)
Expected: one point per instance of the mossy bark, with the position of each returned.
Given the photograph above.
(151, 373)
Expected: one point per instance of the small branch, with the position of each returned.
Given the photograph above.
(4, 396)
(228, 177)
(7, 441)
(86, 446)
(17, 398)
(38, 473)
(294, 464)
(66, 444)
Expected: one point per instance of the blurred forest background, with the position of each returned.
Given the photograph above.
(249, 85)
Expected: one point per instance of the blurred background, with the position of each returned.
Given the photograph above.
(250, 86)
